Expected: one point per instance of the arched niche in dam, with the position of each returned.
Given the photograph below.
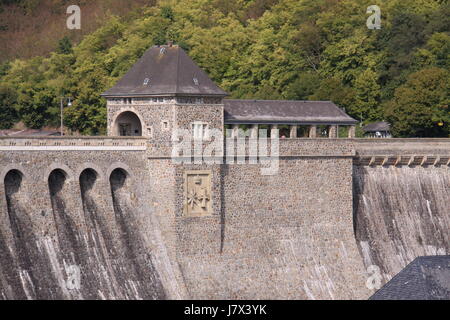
(66, 228)
(20, 223)
(139, 262)
(103, 275)
(92, 196)
(88, 182)
(31, 264)
(10, 284)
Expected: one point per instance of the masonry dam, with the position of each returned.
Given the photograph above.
(110, 211)
(126, 217)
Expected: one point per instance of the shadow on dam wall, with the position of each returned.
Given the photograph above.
(401, 213)
(136, 257)
(27, 267)
(102, 245)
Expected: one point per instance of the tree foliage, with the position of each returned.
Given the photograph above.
(266, 49)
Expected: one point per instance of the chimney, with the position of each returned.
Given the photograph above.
(170, 43)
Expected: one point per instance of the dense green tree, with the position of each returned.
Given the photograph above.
(332, 89)
(64, 46)
(261, 49)
(305, 86)
(8, 100)
(420, 107)
(367, 99)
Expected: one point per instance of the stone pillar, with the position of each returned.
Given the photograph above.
(254, 131)
(332, 132)
(312, 131)
(293, 133)
(272, 130)
(235, 131)
(351, 132)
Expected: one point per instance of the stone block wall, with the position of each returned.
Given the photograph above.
(152, 118)
(81, 220)
(310, 231)
(288, 236)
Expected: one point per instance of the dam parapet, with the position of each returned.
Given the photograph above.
(402, 152)
(401, 201)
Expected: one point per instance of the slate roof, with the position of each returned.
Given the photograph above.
(285, 111)
(426, 278)
(170, 71)
(377, 126)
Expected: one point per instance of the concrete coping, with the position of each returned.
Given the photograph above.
(72, 138)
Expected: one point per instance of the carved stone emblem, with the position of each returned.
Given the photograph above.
(197, 193)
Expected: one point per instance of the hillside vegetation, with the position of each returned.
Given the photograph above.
(262, 49)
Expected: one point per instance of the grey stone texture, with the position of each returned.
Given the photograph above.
(335, 207)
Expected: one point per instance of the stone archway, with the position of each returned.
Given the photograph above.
(127, 123)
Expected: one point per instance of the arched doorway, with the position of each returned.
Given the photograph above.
(127, 124)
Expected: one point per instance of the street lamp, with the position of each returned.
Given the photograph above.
(69, 103)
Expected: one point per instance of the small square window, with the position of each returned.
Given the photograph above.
(165, 125)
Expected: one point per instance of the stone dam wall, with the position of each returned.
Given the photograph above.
(112, 208)
(401, 201)
(75, 208)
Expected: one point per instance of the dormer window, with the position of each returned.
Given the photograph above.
(146, 81)
(195, 81)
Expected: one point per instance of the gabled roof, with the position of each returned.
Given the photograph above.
(285, 111)
(426, 278)
(377, 126)
(169, 71)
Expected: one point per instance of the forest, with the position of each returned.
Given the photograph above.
(253, 49)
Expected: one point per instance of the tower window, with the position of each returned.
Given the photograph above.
(165, 125)
(200, 130)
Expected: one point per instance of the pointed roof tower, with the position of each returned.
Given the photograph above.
(165, 70)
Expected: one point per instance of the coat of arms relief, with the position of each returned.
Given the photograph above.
(197, 193)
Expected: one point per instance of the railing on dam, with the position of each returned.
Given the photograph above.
(416, 151)
(73, 144)
(401, 152)
(324, 147)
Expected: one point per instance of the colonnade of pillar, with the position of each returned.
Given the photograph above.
(312, 132)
